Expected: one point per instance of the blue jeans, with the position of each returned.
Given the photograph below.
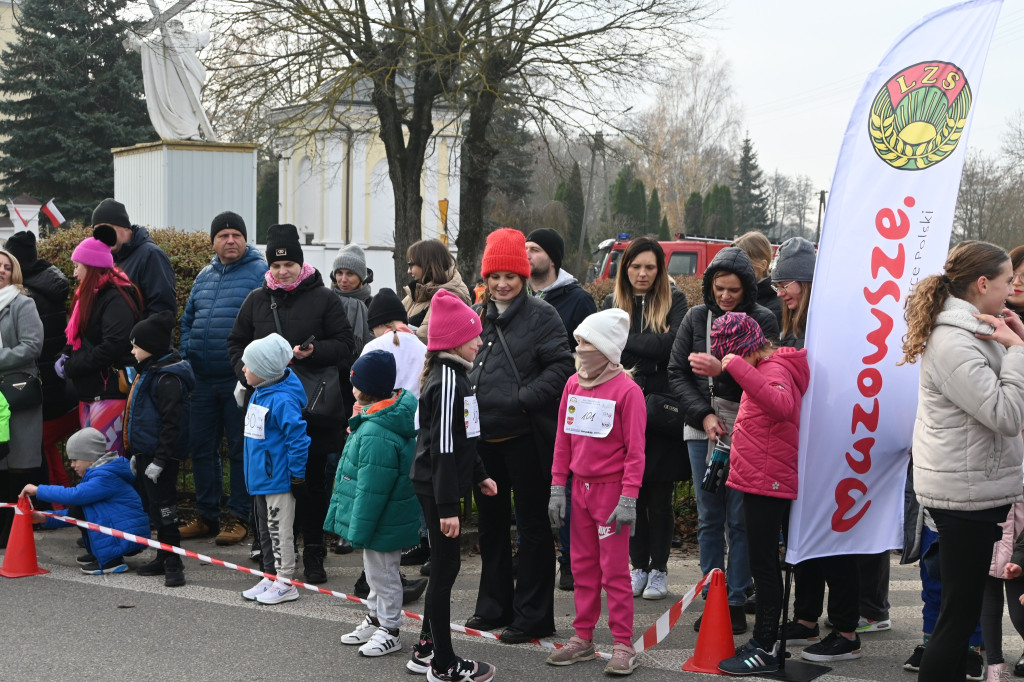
(214, 415)
(714, 512)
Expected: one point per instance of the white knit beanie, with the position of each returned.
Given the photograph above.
(268, 357)
(607, 331)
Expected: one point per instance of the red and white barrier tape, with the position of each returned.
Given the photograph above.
(654, 634)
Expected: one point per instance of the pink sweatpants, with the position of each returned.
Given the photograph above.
(600, 558)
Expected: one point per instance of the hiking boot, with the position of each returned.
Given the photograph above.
(738, 619)
(623, 660)
(232, 531)
(463, 671)
(412, 589)
(975, 666)
(174, 571)
(835, 647)
(278, 593)
(913, 663)
(574, 651)
(363, 632)
(868, 625)
(797, 634)
(261, 587)
(638, 577)
(313, 564)
(115, 565)
(154, 567)
(657, 585)
(382, 643)
(422, 655)
(198, 528)
(566, 583)
(417, 556)
(751, 660)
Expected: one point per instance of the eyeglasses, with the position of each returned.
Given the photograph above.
(1017, 277)
(782, 286)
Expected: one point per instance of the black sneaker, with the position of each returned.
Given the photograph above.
(343, 547)
(975, 666)
(835, 647)
(422, 655)
(913, 663)
(154, 567)
(416, 556)
(1018, 668)
(362, 588)
(313, 564)
(85, 559)
(425, 569)
(463, 671)
(256, 551)
(751, 660)
(566, 583)
(412, 589)
(115, 565)
(797, 634)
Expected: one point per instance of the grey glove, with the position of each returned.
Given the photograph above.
(153, 472)
(556, 505)
(624, 514)
(239, 394)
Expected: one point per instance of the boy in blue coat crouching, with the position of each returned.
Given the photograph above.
(106, 496)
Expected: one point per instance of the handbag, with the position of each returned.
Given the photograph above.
(664, 415)
(23, 391)
(322, 386)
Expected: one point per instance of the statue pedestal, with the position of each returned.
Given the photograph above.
(184, 184)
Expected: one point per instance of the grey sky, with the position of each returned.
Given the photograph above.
(798, 66)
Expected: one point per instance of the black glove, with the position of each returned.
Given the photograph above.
(299, 491)
(5, 449)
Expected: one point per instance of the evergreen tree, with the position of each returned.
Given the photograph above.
(75, 92)
(719, 218)
(693, 214)
(620, 191)
(654, 214)
(750, 199)
(638, 206)
(570, 193)
(663, 233)
(512, 168)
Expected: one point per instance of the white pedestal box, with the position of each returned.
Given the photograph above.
(184, 184)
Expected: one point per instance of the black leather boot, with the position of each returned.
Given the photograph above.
(313, 563)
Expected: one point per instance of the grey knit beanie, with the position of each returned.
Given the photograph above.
(795, 261)
(268, 357)
(351, 258)
(87, 445)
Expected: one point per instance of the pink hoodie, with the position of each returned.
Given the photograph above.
(619, 456)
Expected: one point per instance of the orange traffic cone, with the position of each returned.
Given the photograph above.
(714, 641)
(20, 558)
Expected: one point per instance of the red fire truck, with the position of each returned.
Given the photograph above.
(688, 256)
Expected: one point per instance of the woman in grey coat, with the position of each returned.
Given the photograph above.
(21, 341)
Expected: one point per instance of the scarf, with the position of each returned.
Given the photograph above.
(363, 293)
(73, 331)
(595, 369)
(306, 272)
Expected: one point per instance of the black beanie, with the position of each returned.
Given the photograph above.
(228, 220)
(111, 212)
(22, 245)
(283, 244)
(551, 242)
(385, 307)
(153, 334)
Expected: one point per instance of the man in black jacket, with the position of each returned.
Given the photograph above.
(545, 249)
(146, 265)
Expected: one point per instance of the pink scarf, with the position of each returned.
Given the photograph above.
(307, 271)
(73, 331)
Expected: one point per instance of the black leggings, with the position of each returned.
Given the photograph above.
(445, 561)
(992, 614)
(311, 510)
(765, 517)
(655, 521)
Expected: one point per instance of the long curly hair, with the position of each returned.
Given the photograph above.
(966, 263)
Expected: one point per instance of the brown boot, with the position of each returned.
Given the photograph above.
(232, 531)
(198, 528)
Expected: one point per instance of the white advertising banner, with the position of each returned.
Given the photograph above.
(888, 224)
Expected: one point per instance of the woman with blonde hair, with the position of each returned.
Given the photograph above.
(759, 249)
(644, 290)
(967, 435)
(431, 268)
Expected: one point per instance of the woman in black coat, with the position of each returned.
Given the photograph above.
(518, 390)
(305, 308)
(643, 289)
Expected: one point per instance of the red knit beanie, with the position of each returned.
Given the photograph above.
(505, 252)
(452, 322)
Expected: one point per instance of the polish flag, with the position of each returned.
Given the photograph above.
(56, 219)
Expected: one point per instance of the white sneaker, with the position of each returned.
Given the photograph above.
(278, 593)
(381, 643)
(639, 578)
(261, 587)
(657, 585)
(865, 625)
(362, 634)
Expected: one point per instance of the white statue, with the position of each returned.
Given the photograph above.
(173, 78)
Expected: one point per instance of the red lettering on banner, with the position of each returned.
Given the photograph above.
(892, 225)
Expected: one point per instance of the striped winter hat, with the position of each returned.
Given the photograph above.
(736, 333)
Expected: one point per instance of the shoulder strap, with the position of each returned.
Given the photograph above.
(707, 349)
(508, 354)
(277, 318)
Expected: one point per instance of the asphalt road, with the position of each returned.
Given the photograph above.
(69, 626)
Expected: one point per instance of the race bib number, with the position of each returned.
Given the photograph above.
(592, 417)
(255, 422)
(471, 412)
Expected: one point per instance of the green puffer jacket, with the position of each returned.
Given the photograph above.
(373, 504)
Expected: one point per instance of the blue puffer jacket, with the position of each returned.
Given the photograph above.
(374, 505)
(276, 444)
(217, 294)
(107, 498)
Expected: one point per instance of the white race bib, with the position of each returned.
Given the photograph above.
(471, 412)
(255, 421)
(592, 417)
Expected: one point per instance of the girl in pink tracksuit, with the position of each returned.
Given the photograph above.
(600, 440)
(762, 465)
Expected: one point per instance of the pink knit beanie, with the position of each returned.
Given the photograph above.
(452, 322)
(94, 253)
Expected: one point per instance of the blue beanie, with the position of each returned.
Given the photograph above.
(374, 374)
(268, 357)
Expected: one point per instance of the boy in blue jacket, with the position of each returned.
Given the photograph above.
(106, 496)
(276, 449)
(156, 434)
